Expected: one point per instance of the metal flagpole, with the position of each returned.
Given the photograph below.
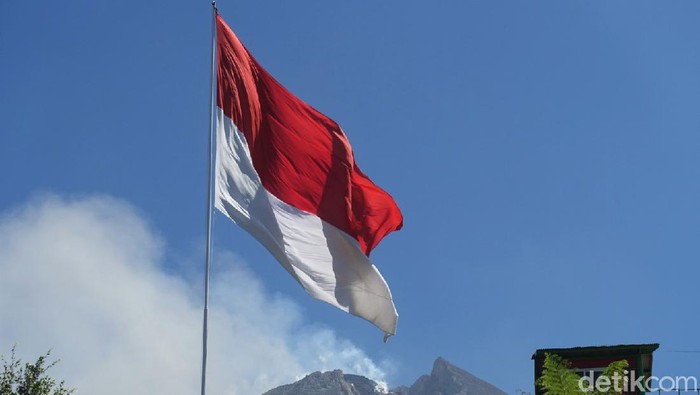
(207, 254)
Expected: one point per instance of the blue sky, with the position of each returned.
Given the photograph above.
(544, 155)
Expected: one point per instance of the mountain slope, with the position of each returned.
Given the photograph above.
(329, 383)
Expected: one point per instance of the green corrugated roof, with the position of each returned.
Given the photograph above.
(599, 350)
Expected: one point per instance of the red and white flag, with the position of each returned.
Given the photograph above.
(286, 174)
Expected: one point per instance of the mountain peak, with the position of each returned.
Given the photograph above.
(441, 363)
(329, 383)
(444, 379)
(442, 367)
(448, 379)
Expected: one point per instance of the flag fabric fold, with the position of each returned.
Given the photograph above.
(286, 174)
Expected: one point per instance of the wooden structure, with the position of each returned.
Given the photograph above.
(585, 360)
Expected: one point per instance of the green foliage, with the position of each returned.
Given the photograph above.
(616, 369)
(558, 378)
(29, 379)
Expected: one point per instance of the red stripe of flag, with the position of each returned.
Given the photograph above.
(302, 156)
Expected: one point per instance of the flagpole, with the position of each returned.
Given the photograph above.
(207, 254)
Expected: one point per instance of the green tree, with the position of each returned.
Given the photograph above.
(559, 379)
(30, 378)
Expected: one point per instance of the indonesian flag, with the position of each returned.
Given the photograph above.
(286, 174)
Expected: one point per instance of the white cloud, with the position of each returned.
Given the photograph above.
(86, 278)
